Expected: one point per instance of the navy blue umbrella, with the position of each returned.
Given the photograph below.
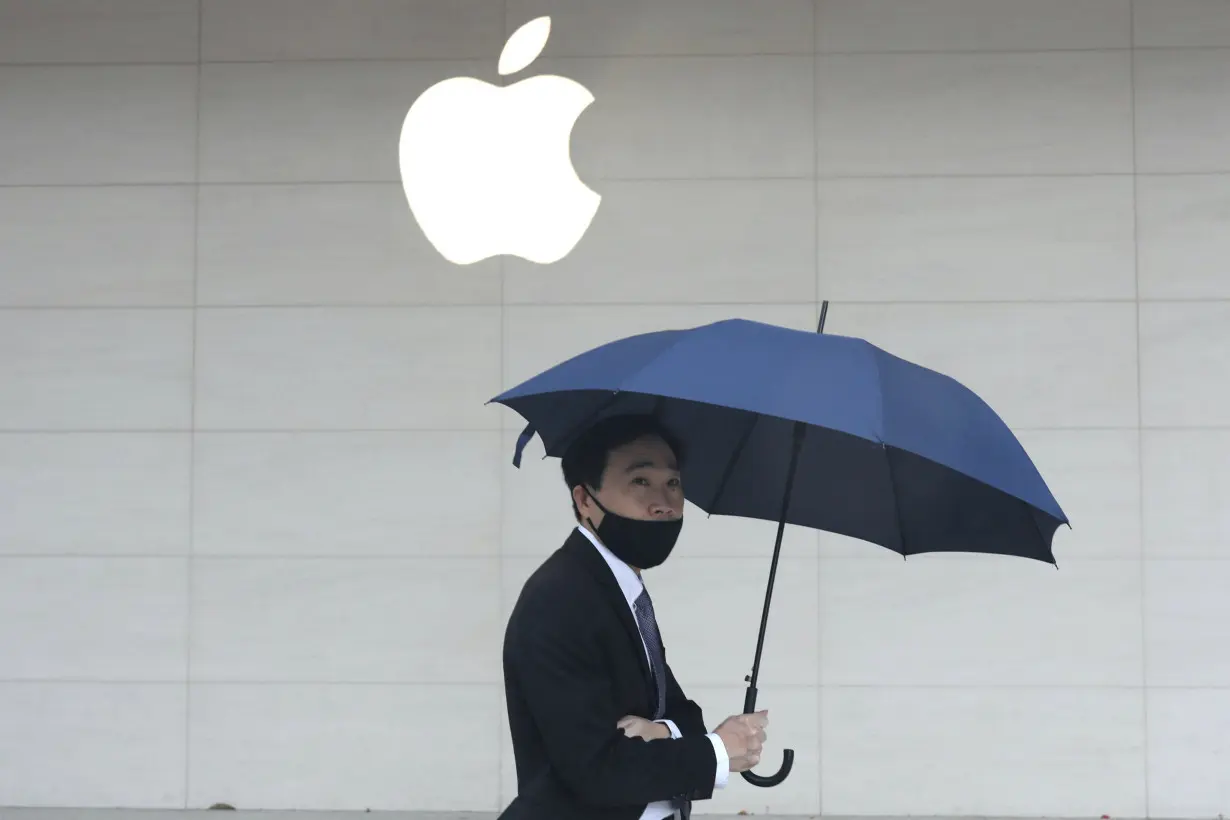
(811, 429)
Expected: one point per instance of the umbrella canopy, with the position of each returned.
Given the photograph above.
(891, 452)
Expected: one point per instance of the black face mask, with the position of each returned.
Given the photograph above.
(639, 544)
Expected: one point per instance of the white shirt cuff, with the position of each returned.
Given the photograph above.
(723, 761)
(670, 724)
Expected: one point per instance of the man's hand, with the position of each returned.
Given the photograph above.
(634, 726)
(744, 737)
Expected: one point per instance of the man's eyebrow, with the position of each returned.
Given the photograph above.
(637, 465)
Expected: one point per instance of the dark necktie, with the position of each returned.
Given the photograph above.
(648, 625)
(653, 642)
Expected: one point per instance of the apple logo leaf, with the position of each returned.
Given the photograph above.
(524, 46)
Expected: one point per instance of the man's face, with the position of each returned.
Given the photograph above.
(641, 481)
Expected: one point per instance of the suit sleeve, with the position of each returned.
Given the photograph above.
(686, 714)
(563, 682)
(686, 718)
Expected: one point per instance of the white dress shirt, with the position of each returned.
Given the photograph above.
(631, 585)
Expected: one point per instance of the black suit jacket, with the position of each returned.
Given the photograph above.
(574, 665)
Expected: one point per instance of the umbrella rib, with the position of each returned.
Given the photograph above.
(1050, 547)
(888, 461)
(892, 480)
(734, 459)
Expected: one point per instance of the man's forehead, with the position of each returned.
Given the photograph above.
(646, 452)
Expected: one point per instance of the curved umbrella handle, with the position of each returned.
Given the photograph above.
(749, 706)
(773, 779)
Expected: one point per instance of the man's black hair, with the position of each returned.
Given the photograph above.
(585, 460)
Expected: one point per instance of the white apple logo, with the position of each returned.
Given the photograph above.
(487, 170)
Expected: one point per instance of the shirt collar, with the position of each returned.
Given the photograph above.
(629, 582)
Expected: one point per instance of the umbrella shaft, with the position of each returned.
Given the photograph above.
(800, 430)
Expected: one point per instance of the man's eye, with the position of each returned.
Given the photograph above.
(641, 481)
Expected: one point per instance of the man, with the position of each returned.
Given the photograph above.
(601, 729)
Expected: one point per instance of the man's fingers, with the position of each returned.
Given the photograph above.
(759, 720)
(744, 762)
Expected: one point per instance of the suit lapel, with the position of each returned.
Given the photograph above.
(579, 547)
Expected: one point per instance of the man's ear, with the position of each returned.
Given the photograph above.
(580, 500)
